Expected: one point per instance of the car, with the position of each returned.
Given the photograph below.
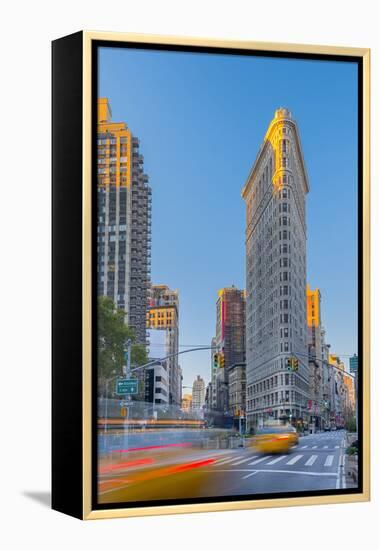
(293, 434)
(274, 439)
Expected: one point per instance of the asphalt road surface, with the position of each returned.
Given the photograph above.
(314, 464)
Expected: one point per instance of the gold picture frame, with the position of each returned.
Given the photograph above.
(77, 50)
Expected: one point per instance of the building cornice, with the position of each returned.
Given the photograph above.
(266, 144)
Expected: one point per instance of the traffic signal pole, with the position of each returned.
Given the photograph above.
(158, 361)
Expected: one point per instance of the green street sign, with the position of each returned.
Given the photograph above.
(127, 386)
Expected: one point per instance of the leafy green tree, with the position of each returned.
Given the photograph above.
(112, 334)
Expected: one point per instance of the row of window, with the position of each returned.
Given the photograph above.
(111, 141)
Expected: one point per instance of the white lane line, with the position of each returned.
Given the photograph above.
(314, 447)
(325, 447)
(259, 460)
(336, 446)
(276, 460)
(251, 474)
(296, 472)
(304, 447)
(244, 460)
(294, 460)
(311, 460)
(329, 460)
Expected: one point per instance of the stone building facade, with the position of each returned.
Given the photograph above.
(276, 327)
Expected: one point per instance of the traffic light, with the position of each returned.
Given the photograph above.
(216, 360)
(222, 360)
(292, 363)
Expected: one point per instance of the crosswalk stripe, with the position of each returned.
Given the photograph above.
(304, 447)
(337, 447)
(259, 460)
(311, 460)
(225, 460)
(243, 460)
(276, 460)
(314, 447)
(294, 460)
(329, 460)
(325, 447)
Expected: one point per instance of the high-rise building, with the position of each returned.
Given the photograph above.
(276, 327)
(339, 388)
(229, 340)
(318, 368)
(187, 402)
(124, 220)
(163, 314)
(230, 325)
(198, 393)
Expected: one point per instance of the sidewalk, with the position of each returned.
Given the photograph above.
(350, 464)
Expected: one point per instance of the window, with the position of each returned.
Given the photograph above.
(284, 145)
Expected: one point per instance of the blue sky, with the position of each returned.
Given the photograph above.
(201, 119)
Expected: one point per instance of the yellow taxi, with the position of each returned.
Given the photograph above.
(293, 434)
(275, 439)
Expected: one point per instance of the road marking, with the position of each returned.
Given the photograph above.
(311, 460)
(314, 447)
(259, 460)
(329, 460)
(337, 447)
(304, 447)
(276, 460)
(296, 472)
(294, 460)
(325, 447)
(225, 460)
(249, 475)
(242, 461)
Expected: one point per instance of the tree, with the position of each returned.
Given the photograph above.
(112, 334)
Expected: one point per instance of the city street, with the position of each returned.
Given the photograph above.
(184, 472)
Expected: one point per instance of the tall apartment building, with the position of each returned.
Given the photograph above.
(319, 371)
(187, 402)
(230, 324)
(163, 314)
(229, 339)
(198, 393)
(276, 327)
(124, 220)
(343, 391)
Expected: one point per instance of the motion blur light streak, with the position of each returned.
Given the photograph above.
(151, 447)
(191, 465)
(129, 464)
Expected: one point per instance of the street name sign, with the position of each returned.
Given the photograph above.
(127, 386)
